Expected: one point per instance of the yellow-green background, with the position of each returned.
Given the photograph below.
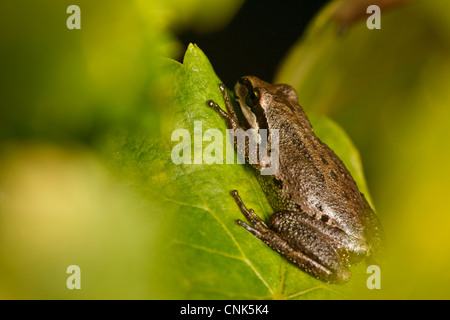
(67, 94)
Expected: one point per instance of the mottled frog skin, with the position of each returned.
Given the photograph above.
(322, 222)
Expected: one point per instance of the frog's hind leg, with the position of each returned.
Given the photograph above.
(257, 223)
(305, 239)
(298, 242)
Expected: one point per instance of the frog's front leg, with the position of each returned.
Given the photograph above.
(233, 123)
(291, 235)
(230, 117)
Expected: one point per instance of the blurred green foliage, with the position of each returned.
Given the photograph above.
(62, 84)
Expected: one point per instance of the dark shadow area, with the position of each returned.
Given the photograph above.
(257, 38)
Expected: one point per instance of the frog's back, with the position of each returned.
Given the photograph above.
(313, 179)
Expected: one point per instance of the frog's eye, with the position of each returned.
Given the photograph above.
(253, 98)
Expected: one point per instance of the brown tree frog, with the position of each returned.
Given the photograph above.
(322, 222)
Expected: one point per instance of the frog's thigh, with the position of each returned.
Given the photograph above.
(306, 240)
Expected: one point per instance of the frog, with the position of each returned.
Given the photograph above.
(321, 223)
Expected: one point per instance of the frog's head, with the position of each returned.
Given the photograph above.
(259, 99)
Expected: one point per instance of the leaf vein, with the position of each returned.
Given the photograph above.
(228, 232)
(213, 251)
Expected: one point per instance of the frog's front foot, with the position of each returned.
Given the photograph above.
(229, 116)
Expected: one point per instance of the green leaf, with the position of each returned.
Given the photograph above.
(201, 252)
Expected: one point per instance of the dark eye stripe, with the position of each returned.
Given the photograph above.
(259, 111)
(256, 109)
(260, 117)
